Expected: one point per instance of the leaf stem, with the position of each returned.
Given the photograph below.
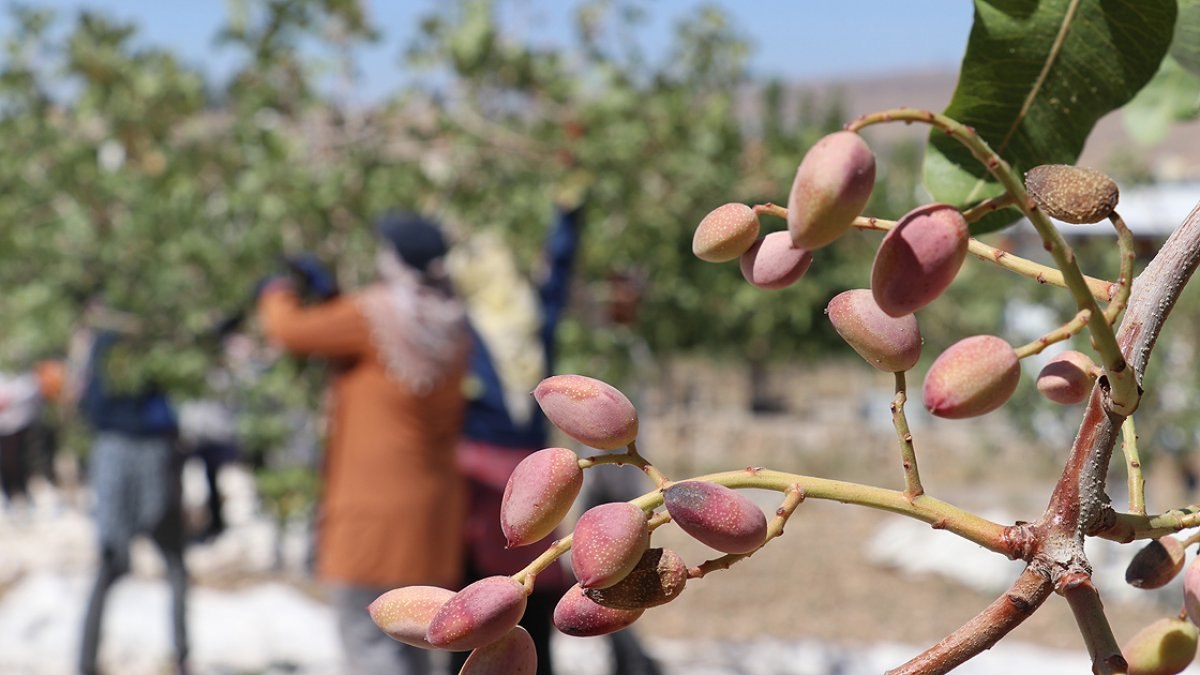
(908, 452)
(1123, 394)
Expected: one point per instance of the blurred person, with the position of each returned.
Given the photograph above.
(392, 504)
(23, 396)
(208, 426)
(134, 473)
(514, 321)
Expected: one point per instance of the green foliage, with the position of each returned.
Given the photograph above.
(1173, 95)
(1035, 79)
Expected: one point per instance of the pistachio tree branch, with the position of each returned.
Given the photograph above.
(1154, 294)
(1084, 599)
(1127, 527)
(1005, 613)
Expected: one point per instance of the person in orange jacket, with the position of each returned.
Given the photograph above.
(392, 502)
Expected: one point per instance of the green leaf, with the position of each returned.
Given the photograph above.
(1035, 79)
(1186, 46)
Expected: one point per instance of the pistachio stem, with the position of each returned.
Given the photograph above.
(908, 452)
(1063, 332)
(1191, 540)
(1125, 280)
(771, 209)
(1123, 392)
(989, 206)
(1126, 527)
(563, 544)
(939, 514)
(1133, 466)
(1099, 288)
(630, 456)
(791, 500)
(642, 463)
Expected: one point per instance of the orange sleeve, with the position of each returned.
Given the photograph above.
(333, 328)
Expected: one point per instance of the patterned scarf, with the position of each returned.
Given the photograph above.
(419, 329)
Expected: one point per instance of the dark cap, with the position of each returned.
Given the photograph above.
(417, 240)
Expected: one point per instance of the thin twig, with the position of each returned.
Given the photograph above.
(791, 499)
(1064, 332)
(1125, 280)
(989, 206)
(1007, 612)
(1133, 468)
(908, 452)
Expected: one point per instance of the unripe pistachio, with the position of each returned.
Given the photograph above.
(580, 616)
(539, 493)
(513, 654)
(974, 376)
(918, 258)
(890, 343)
(608, 543)
(725, 233)
(1165, 647)
(588, 410)
(658, 578)
(1067, 378)
(832, 185)
(1156, 563)
(405, 613)
(773, 263)
(1072, 194)
(716, 516)
(479, 614)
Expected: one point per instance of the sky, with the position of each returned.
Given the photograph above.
(798, 40)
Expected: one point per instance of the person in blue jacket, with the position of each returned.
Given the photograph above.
(514, 322)
(134, 473)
